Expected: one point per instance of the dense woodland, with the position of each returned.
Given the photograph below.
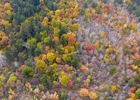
(69, 50)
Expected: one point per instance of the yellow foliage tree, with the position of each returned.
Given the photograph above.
(58, 60)
(57, 13)
(40, 65)
(93, 95)
(84, 92)
(55, 39)
(50, 57)
(7, 6)
(113, 88)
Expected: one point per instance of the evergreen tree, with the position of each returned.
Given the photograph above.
(8, 54)
(63, 30)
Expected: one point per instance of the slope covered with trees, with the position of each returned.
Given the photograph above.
(69, 50)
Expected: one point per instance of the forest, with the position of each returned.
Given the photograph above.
(69, 50)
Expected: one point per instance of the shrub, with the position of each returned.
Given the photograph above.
(112, 70)
(26, 71)
(131, 82)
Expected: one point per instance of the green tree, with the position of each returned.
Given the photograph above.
(54, 23)
(46, 81)
(82, 11)
(74, 62)
(107, 88)
(94, 5)
(8, 54)
(131, 82)
(63, 30)
(19, 46)
(63, 40)
(14, 51)
(26, 71)
(112, 70)
(85, 5)
(137, 94)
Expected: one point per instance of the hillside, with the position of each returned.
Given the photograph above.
(69, 50)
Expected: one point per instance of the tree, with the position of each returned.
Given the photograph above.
(7, 6)
(26, 71)
(55, 39)
(50, 57)
(94, 5)
(14, 51)
(37, 52)
(32, 27)
(63, 30)
(8, 54)
(113, 88)
(46, 81)
(137, 94)
(104, 1)
(74, 27)
(71, 40)
(85, 5)
(112, 70)
(32, 41)
(57, 13)
(99, 10)
(74, 62)
(49, 17)
(40, 65)
(82, 11)
(63, 40)
(107, 88)
(32, 49)
(68, 59)
(46, 40)
(54, 23)
(24, 31)
(56, 32)
(132, 82)
(19, 45)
